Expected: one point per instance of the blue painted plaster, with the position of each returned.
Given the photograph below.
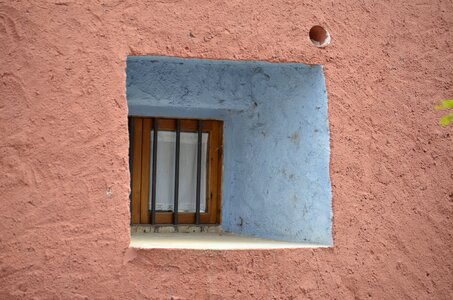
(276, 137)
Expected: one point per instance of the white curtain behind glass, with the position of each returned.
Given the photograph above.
(165, 183)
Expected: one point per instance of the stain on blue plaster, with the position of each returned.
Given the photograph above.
(276, 137)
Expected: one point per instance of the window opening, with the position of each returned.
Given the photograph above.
(176, 171)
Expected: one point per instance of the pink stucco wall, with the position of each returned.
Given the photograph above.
(64, 181)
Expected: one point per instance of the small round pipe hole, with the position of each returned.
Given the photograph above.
(319, 36)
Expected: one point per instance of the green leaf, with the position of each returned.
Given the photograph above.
(446, 120)
(447, 103)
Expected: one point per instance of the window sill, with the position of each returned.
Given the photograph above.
(209, 241)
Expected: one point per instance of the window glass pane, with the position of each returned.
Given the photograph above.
(165, 178)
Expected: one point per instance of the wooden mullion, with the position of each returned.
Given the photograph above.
(146, 157)
(212, 178)
(219, 170)
(136, 170)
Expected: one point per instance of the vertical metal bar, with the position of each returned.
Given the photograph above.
(178, 142)
(197, 211)
(154, 172)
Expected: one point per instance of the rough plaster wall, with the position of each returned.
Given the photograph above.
(64, 221)
(276, 152)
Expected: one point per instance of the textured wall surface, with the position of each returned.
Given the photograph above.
(276, 150)
(64, 218)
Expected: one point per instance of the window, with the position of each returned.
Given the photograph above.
(176, 171)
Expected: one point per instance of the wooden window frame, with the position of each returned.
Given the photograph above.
(141, 158)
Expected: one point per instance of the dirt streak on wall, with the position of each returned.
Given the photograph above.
(64, 181)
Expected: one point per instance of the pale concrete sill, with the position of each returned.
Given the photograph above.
(208, 241)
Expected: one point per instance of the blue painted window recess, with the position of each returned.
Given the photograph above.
(276, 181)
